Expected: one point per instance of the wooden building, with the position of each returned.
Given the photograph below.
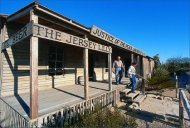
(42, 50)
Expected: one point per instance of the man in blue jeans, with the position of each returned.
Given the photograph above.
(132, 75)
(118, 66)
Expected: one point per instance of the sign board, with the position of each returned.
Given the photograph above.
(55, 35)
(97, 32)
(41, 31)
(18, 36)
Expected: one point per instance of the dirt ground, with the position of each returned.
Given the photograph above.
(168, 92)
(165, 107)
(144, 121)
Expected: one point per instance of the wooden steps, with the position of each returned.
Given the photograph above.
(126, 91)
(139, 99)
(133, 95)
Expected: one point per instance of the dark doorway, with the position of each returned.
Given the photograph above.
(91, 66)
(127, 63)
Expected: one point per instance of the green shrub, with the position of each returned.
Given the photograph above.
(99, 118)
(106, 118)
(161, 78)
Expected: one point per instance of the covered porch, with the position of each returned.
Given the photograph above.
(54, 99)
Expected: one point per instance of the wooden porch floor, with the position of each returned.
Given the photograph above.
(56, 98)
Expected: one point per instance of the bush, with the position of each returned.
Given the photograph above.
(106, 118)
(99, 118)
(161, 78)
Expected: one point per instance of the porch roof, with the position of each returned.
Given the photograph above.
(36, 6)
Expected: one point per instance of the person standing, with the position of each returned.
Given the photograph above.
(118, 66)
(132, 75)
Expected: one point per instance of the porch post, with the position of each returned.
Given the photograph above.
(33, 71)
(86, 81)
(110, 71)
(138, 64)
(132, 58)
(150, 67)
(143, 74)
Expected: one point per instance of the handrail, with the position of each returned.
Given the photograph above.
(185, 102)
(142, 77)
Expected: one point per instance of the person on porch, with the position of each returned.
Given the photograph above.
(132, 75)
(119, 67)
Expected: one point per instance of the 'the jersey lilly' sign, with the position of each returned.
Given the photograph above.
(41, 31)
(95, 31)
(52, 34)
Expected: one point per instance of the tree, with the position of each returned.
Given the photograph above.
(178, 64)
(157, 60)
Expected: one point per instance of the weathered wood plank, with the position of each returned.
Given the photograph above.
(110, 71)
(86, 81)
(33, 72)
(132, 58)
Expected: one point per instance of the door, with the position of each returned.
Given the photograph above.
(127, 64)
(91, 66)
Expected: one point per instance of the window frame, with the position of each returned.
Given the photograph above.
(55, 70)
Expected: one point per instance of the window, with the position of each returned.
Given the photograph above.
(55, 61)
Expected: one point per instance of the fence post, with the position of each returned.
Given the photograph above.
(176, 85)
(181, 114)
(143, 86)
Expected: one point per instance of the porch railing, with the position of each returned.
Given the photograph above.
(70, 114)
(9, 117)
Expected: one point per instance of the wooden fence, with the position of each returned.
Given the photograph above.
(69, 114)
(65, 116)
(10, 118)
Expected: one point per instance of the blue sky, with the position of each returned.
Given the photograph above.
(154, 26)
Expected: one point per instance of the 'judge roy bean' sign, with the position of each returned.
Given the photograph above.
(55, 35)
(97, 32)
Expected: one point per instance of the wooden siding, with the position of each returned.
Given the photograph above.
(16, 67)
(148, 67)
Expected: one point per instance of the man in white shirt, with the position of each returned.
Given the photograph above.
(132, 75)
(118, 66)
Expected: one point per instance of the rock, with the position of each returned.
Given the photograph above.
(130, 107)
(160, 97)
(168, 98)
(112, 109)
(138, 110)
(176, 99)
(152, 95)
(135, 105)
